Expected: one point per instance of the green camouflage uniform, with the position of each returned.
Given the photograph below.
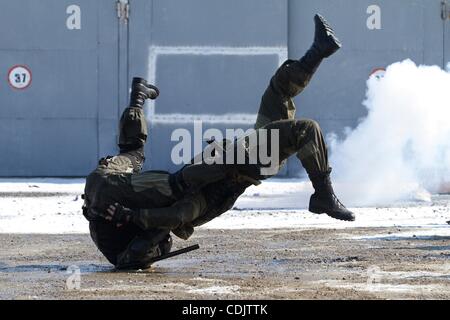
(277, 111)
(118, 179)
(163, 202)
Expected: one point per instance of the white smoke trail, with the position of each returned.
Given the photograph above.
(402, 148)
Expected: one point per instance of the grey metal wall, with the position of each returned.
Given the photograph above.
(211, 59)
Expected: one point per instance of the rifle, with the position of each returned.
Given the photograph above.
(175, 253)
(134, 266)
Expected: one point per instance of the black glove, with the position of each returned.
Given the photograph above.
(118, 214)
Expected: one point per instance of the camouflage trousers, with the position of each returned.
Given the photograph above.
(302, 137)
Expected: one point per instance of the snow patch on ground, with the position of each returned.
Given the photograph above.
(423, 234)
(396, 282)
(123, 286)
(54, 206)
(215, 290)
(383, 288)
(36, 185)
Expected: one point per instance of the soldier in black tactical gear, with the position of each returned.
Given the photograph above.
(132, 213)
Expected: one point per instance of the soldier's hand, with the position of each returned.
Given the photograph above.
(118, 214)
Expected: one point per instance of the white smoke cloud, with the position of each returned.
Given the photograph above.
(401, 150)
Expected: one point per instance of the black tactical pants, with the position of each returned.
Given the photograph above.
(118, 179)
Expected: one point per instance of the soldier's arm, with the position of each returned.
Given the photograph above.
(180, 213)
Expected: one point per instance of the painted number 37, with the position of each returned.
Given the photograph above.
(20, 78)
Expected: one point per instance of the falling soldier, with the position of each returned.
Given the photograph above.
(132, 213)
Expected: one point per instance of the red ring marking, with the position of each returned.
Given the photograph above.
(376, 70)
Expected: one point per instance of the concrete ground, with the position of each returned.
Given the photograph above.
(400, 252)
(236, 264)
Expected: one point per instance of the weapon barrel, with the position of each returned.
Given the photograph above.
(176, 253)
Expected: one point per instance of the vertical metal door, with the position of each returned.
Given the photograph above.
(59, 123)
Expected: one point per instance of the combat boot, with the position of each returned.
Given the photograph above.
(140, 91)
(325, 44)
(324, 199)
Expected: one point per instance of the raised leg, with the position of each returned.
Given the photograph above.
(294, 75)
(133, 125)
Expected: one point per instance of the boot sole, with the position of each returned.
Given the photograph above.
(317, 210)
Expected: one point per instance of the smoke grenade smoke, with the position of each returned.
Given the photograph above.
(401, 150)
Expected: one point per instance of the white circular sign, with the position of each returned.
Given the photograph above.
(19, 77)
